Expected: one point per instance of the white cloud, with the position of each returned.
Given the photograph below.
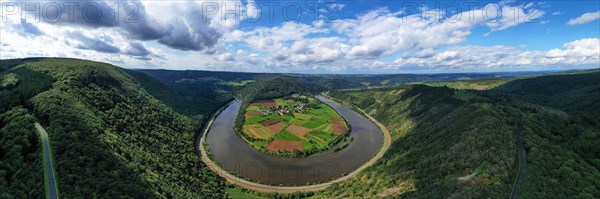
(252, 9)
(578, 53)
(585, 18)
(267, 38)
(367, 42)
(381, 32)
(225, 57)
(583, 48)
(336, 6)
(187, 26)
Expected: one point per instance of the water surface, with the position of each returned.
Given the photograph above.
(238, 157)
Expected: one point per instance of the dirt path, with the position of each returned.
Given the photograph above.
(51, 185)
(287, 189)
(521, 150)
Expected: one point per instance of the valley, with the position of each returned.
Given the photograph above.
(445, 138)
(255, 99)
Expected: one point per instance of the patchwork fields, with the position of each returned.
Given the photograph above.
(295, 124)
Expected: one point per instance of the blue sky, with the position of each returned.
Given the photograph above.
(327, 37)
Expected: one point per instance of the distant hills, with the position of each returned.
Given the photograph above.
(280, 84)
(572, 92)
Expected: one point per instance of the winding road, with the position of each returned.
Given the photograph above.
(287, 189)
(51, 185)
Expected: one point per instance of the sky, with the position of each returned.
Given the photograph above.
(333, 37)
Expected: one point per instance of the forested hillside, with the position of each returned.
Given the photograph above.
(461, 143)
(561, 134)
(278, 87)
(111, 138)
(570, 92)
(441, 144)
(21, 171)
(185, 99)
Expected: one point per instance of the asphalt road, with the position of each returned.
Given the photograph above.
(521, 150)
(51, 188)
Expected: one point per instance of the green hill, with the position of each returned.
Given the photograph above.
(561, 132)
(279, 86)
(111, 138)
(572, 92)
(441, 145)
(461, 143)
(189, 101)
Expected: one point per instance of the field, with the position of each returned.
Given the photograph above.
(291, 124)
(284, 145)
(257, 130)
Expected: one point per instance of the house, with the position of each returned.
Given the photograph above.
(300, 107)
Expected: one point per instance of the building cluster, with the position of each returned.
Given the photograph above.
(264, 112)
(282, 110)
(300, 107)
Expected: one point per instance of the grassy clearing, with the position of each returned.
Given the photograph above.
(9, 80)
(325, 128)
(314, 123)
(328, 137)
(281, 102)
(286, 135)
(257, 119)
(253, 108)
(260, 144)
(297, 122)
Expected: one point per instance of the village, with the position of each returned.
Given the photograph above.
(293, 106)
(282, 110)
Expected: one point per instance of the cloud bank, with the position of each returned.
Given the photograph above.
(202, 35)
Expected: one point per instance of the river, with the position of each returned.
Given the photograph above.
(239, 158)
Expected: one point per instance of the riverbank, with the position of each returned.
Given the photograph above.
(287, 189)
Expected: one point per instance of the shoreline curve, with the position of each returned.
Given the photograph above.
(286, 189)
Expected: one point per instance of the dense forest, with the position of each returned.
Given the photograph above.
(21, 172)
(561, 133)
(461, 143)
(278, 87)
(111, 138)
(441, 145)
(186, 99)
